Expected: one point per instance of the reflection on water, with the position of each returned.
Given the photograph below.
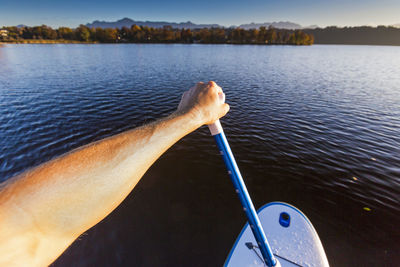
(318, 127)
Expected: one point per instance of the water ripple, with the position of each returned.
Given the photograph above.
(317, 126)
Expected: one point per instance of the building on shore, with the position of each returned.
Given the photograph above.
(3, 34)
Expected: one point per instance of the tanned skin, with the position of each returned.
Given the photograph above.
(43, 210)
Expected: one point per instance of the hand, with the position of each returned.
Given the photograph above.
(203, 102)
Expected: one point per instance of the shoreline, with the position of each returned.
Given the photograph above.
(62, 41)
(43, 41)
(36, 41)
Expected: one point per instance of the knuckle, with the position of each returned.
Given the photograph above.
(212, 89)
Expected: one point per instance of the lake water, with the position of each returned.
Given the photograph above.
(304, 122)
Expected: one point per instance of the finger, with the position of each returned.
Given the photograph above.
(216, 86)
(226, 109)
(198, 87)
(221, 97)
(212, 83)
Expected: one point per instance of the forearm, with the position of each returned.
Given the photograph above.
(44, 210)
(68, 195)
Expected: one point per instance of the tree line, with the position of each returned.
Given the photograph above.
(381, 35)
(167, 34)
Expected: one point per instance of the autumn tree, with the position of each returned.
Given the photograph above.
(124, 33)
(186, 36)
(136, 34)
(48, 33)
(110, 35)
(238, 36)
(270, 36)
(204, 36)
(218, 35)
(262, 32)
(252, 36)
(82, 33)
(65, 33)
(167, 35)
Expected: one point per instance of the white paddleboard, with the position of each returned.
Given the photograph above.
(292, 238)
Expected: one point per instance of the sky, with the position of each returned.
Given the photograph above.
(323, 13)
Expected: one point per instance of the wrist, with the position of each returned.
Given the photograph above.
(192, 118)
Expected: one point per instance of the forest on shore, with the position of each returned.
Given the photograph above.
(363, 35)
(167, 34)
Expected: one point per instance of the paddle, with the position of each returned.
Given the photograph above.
(240, 188)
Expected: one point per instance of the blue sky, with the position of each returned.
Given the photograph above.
(305, 12)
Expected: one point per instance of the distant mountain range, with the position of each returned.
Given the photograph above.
(127, 22)
(279, 25)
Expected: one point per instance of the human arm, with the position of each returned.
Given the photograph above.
(43, 210)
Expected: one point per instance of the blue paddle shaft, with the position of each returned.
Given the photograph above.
(244, 197)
